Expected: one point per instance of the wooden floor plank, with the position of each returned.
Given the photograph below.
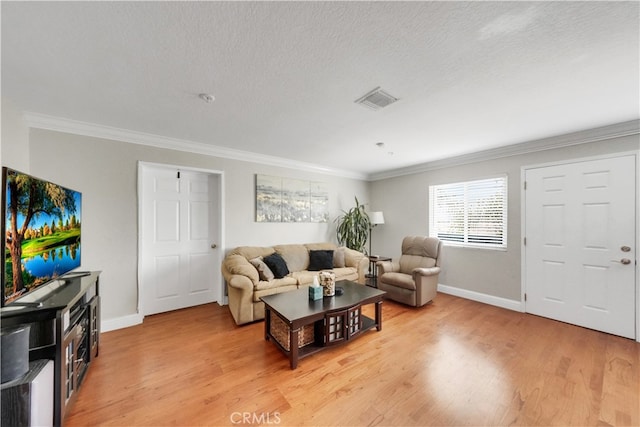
(452, 362)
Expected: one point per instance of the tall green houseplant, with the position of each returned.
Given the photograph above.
(353, 228)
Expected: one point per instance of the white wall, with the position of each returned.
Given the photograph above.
(14, 144)
(105, 171)
(405, 203)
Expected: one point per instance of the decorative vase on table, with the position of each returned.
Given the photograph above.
(328, 283)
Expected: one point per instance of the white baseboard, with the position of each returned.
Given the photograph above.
(121, 322)
(136, 319)
(483, 298)
(132, 320)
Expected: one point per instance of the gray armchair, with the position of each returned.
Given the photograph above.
(413, 280)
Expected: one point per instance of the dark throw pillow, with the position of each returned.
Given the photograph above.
(320, 260)
(277, 265)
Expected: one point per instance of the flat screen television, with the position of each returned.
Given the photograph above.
(41, 227)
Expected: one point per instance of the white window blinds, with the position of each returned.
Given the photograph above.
(472, 213)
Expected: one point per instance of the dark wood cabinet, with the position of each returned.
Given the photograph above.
(65, 328)
(342, 325)
(80, 346)
(69, 383)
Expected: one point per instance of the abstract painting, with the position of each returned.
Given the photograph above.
(290, 200)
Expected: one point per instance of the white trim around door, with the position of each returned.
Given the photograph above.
(216, 226)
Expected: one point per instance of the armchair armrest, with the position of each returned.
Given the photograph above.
(426, 280)
(387, 267)
(426, 271)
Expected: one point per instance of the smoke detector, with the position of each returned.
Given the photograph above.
(208, 98)
(376, 99)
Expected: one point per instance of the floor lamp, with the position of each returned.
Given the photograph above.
(375, 218)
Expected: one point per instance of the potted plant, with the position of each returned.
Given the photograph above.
(353, 228)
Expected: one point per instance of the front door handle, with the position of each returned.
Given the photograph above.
(213, 246)
(624, 261)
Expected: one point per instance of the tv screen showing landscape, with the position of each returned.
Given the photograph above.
(42, 223)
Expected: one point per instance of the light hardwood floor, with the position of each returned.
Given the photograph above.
(452, 362)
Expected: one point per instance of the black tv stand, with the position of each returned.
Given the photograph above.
(65, 328)
(35, 304)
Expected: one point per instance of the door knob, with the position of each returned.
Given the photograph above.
(213, 246)
(625, 249)
(624, 261)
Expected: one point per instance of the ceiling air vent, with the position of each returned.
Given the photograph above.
(376, 99)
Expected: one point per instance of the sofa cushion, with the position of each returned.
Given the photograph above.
(304, 277)
(346, 273)
(296, 256)
(275, 283)
(399, 280)
(320, 246)
(264, 271)
(320, 260)
(339, 257)
(250, 252)
(277, 265)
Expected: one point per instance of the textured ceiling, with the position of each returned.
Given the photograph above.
(285, 75)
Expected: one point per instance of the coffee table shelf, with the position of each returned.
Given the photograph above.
(332, 320)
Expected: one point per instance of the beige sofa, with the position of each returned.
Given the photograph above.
(245, 286)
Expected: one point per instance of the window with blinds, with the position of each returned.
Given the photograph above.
(472, 213)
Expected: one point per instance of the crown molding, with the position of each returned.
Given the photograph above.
(617, 130)
(58, 124)
(42, 121)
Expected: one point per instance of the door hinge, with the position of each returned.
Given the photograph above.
(178, 175)
(525, 297)
(525, 185)
(524, 240)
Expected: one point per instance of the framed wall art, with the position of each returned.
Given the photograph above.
(290, 200)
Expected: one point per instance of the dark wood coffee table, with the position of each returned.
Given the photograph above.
(300, 327)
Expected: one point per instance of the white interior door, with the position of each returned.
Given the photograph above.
(580, 249)
(177, 249)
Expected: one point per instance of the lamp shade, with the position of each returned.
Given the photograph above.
(376, 218)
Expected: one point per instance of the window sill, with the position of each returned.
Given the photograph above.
(472, 246)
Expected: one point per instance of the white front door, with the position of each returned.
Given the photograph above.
(177, 251)
(580, 243)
